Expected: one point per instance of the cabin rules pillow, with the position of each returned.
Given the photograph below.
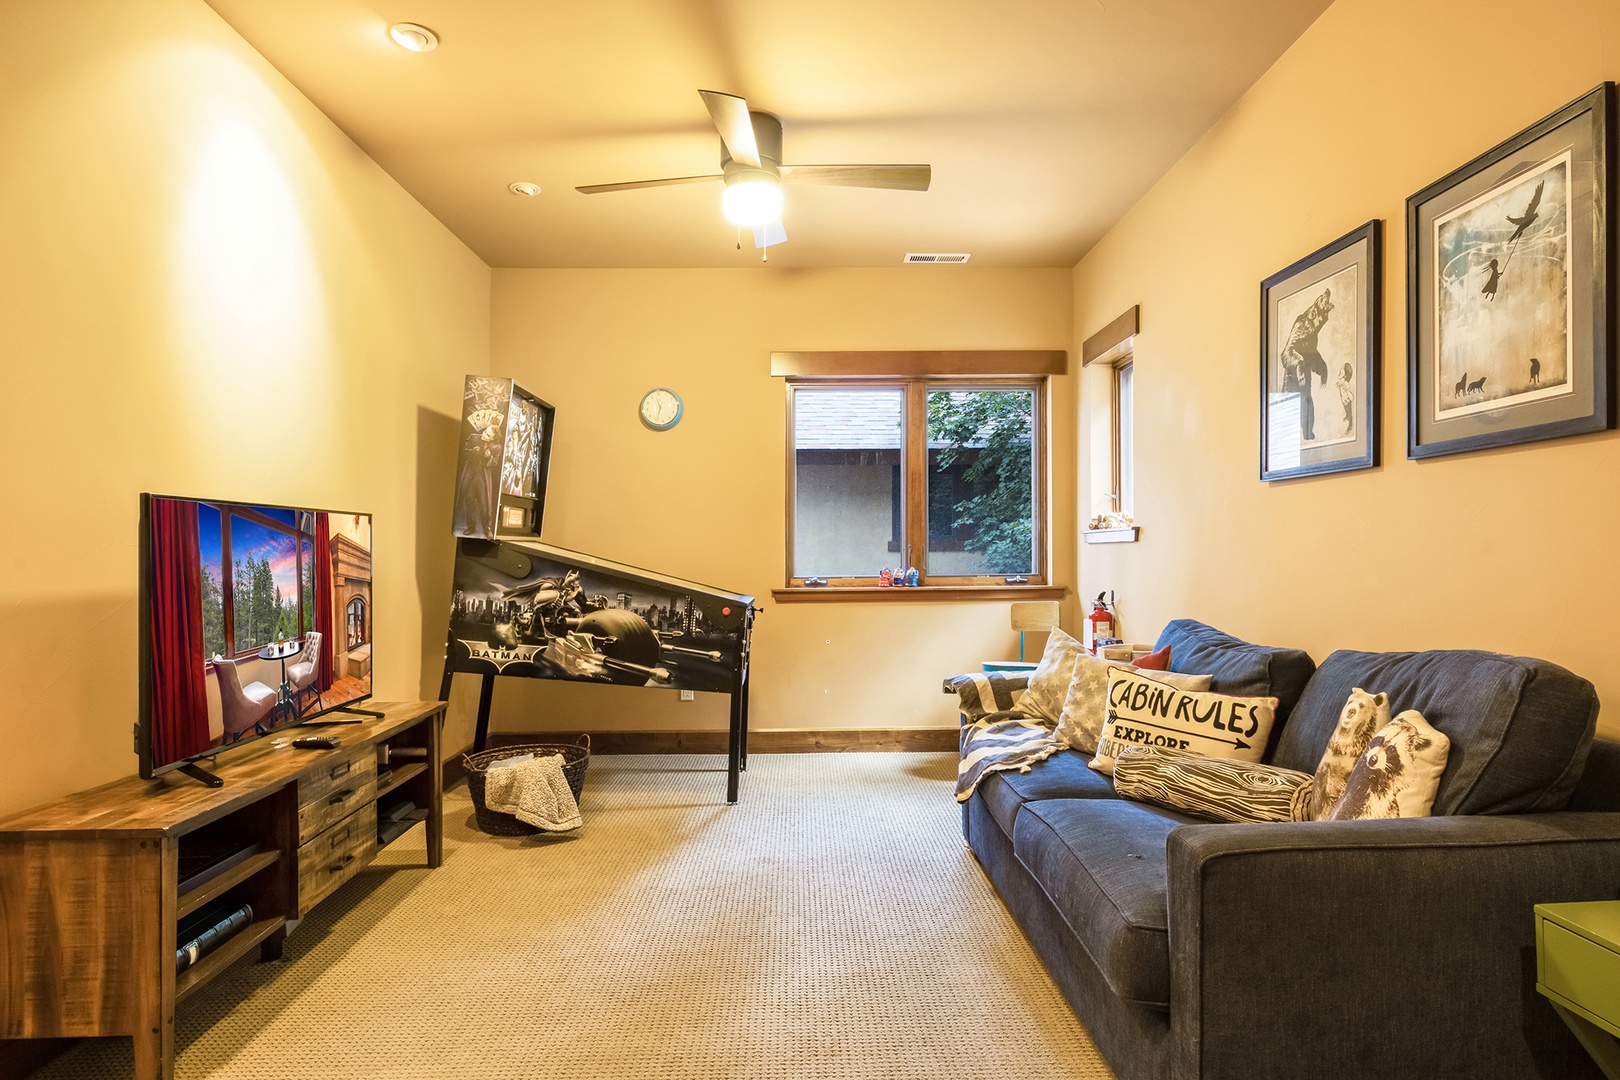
(1146, 712)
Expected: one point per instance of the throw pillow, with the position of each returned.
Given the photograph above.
(1086, 707)
(1362, 717)
(1154, 661)
(1217, 788)
(1049, 683)
(1145, 712)
(1398, 774)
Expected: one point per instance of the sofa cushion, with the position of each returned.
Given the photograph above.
(1520, 729)
(1102, 864)
(1061, 776)
(1237, 667)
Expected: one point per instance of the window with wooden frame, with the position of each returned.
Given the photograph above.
(944, 472)
(1108, 403)
(1124, 456)
(259, 583)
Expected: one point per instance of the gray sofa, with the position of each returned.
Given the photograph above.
(1381, 949)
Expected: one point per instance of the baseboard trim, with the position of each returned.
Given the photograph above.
(761, 741)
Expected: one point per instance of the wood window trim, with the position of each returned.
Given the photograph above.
(899, 364)
(1103, 346)
(915, 510)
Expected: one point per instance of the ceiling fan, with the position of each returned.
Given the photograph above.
(752, 170)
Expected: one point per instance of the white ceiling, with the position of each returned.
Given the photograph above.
(1044, 120)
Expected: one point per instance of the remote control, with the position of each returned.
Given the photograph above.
(317, 742)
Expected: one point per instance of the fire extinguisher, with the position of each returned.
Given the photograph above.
(1099, 624)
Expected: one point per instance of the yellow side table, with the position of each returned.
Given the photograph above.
(1578, 970)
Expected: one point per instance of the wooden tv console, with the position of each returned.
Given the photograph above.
(89, 894)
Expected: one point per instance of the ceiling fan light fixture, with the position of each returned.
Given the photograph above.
(413, 36)
(755, 201)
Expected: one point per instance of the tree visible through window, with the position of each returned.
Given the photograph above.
(981, 481)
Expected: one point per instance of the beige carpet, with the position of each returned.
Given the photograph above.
(832, 925)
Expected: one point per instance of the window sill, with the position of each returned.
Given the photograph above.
(877, 594)
(1128, 535)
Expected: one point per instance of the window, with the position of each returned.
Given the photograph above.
(943, 474)
(1124, 430)
(258, 577)
(357, 623)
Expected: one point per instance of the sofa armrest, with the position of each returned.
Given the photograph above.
(1394, 948)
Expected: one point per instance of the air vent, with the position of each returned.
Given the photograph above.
(915, 257)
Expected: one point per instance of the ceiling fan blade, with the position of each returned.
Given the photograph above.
(730, 115)
(769, 233)
(597, 189)
(893, 177)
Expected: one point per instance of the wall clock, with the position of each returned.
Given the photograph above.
(661, 409)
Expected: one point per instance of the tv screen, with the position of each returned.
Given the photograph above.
(253, 618)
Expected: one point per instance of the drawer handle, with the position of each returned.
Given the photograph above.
(343, 796)
(337, 867)
(339, 770)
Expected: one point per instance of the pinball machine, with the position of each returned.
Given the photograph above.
(525, 609)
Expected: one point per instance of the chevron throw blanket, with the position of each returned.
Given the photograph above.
(995, 735)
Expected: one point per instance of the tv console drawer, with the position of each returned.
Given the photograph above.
(337, 773)
(336, 792)
(336, 855)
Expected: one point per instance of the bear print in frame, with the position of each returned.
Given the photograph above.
(1321, 326)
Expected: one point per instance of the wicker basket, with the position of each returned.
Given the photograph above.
(576, 756)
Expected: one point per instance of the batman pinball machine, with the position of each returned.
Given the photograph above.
(521, 608)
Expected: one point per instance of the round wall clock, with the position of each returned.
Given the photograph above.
(661, 409)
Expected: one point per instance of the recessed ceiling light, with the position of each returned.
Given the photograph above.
(523, 187)
(414, 37)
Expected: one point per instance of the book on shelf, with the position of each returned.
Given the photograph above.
(206, 929)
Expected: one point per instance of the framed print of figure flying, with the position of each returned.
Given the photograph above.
(1509, 332)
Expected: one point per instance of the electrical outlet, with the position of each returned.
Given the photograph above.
(688, 695)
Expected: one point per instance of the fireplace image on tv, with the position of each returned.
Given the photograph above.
(253, 617)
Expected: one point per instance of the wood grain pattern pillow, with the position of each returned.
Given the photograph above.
(1362, 717)
(1216, 788)
(1398, 774)
(1049, 683)
(1085, 708)
(1145, 712)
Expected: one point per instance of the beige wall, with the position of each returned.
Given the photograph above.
(206, 289)
(706, 500)
(1510, 549)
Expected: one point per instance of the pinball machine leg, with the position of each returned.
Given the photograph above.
(734, 743)
(486, 694)
(449, 669)
(742, 724)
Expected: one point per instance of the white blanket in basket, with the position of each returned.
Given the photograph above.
(535, 792)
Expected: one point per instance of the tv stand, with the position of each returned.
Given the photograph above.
(200, 774)
(89, 885)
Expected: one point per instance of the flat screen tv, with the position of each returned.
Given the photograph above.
(252, 618)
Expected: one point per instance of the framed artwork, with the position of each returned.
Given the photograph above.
(1321, 324)
(1509, 294)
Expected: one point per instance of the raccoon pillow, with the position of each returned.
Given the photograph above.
(1145, 712)
(1363, 716)
(1086, 706)
(1398, 774)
